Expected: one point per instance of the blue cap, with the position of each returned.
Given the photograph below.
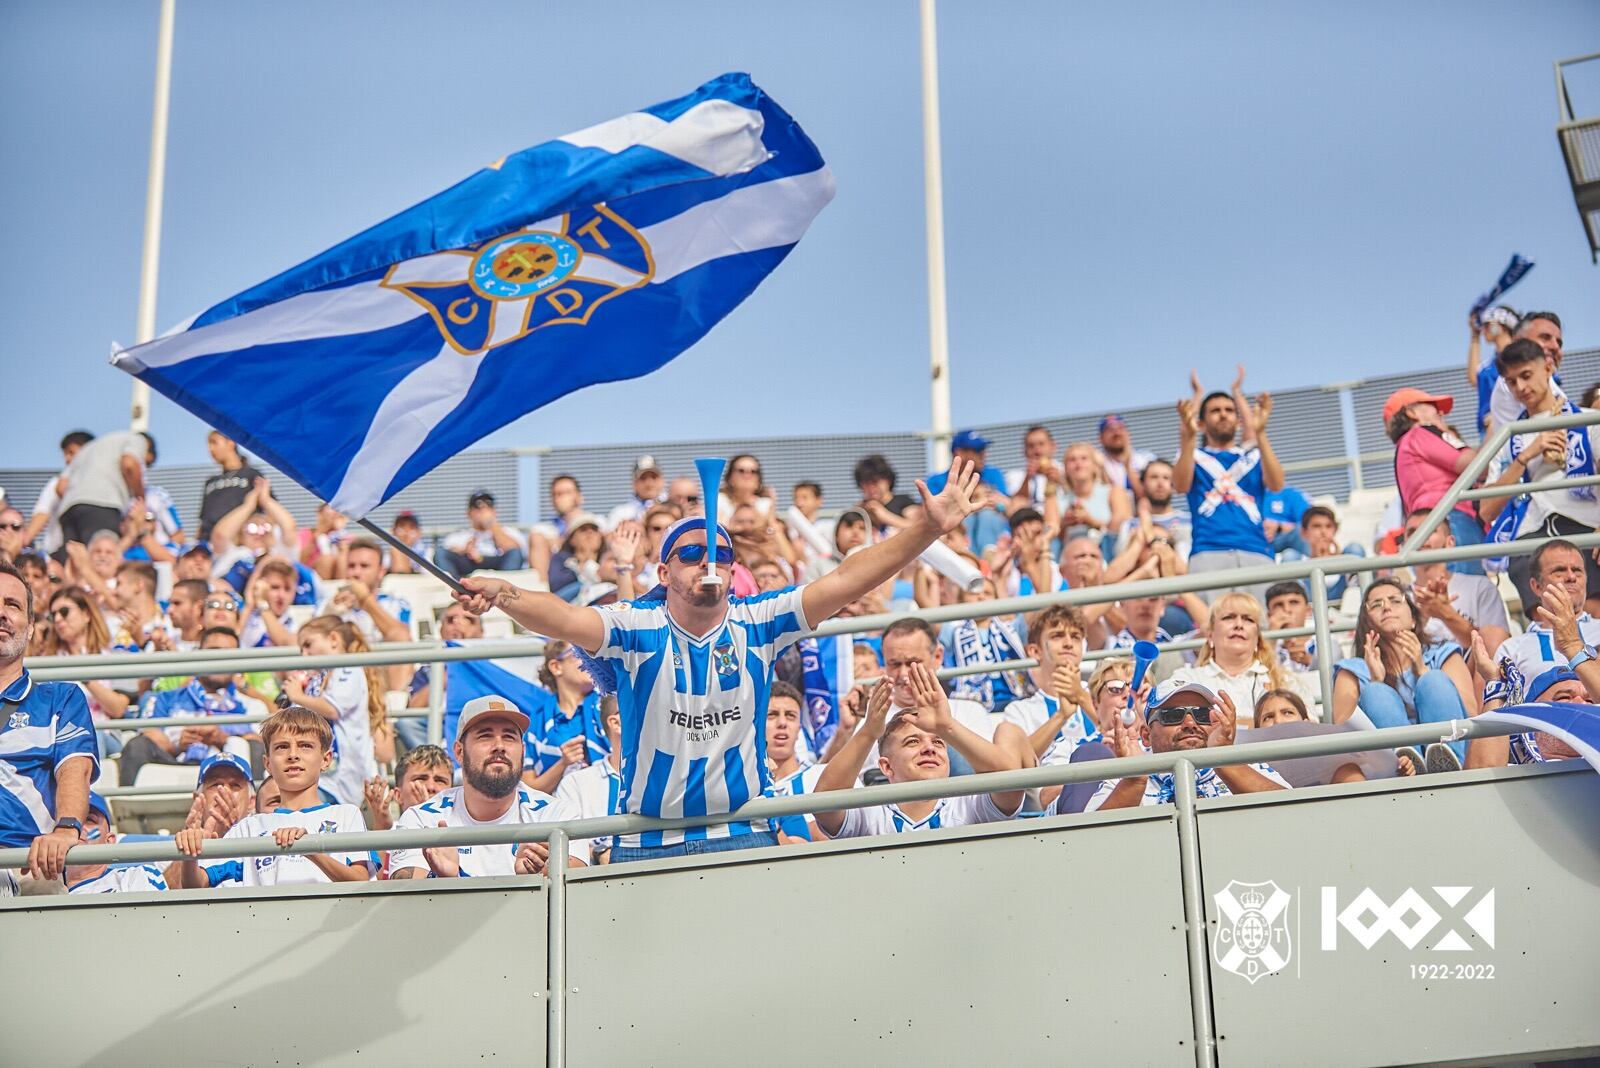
(1111, 420)
(969, 439)
(682, 527)
(98, 804)
(1548, 678)
(224, 760)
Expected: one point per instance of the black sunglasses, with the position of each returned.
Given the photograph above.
(1173, 715)
(10, 526)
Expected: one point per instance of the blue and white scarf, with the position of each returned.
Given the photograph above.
(1580, 463)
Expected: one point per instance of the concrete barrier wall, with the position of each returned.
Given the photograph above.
(1032, 942)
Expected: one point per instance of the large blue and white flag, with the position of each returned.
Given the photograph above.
(593, 258)
(1576, 725)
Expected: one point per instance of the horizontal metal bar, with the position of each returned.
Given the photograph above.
(135, 665)
(1544, 485)
(776, 807)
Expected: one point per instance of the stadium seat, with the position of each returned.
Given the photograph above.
(181, 777)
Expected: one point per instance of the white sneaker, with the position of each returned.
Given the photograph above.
(1441, 758)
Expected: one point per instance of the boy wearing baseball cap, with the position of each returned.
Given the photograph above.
(490, 738)
(225, 795)
(1181, 716)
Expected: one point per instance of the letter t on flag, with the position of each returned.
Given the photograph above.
(592, 258)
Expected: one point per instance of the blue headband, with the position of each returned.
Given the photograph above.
(683, 526)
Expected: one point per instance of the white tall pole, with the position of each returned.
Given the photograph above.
(933, 195)
(155, 183)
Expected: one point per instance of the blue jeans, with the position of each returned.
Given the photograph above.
(1437, 701)
(459, 564)
(1467, 532)
(757, 840)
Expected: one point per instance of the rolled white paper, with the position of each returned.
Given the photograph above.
(952, 565)
(819, 542)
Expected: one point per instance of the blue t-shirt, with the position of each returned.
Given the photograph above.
(42, 726)
(1285, 506)
(1224, 501)
(990, 474)
(1488, 375)
(1405, 685)
(305, 589)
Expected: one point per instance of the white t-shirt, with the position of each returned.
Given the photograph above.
(353, 762)
(49, 504)
(1534, 650)
(293, 869)
(484, 540)
(449, 808)
(593, 790)
(137, 878)
(949, 812)
(361, 619)
(1159, 789)
(1247, 687)
(1030, 714)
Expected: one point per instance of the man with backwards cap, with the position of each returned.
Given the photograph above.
(692, 667)
(1181, 716)
(490, 736)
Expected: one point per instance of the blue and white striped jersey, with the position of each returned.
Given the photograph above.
(1031, 713)
(136, 878)
(802, 781)
(158, 502)
(694, 709)
(949, 812)
(449, 808)
(291, 869)
(42, 726)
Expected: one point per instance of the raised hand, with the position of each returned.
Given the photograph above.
(959, 498)
(1410, 649)
(1224, 721)
(1555, 610)
(1123, 739)
(575, 752)
(1372, 653)
(1188, 418)
(1482, 663)
(378, 794)
(1260, 412)
(625, 542)
(932, 707)
(877, 717)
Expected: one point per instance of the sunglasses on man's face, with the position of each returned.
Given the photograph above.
(694, 554)
(10, 526)
(1173, 715)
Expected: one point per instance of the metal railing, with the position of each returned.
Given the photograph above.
(1181, 764)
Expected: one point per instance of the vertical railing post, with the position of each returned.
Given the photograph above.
(1352, 436)
(556, 950)
(436, 704)
(1194, 913)
(1324, 639)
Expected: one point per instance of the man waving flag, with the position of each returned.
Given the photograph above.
(592, 258)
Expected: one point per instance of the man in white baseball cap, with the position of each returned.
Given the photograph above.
(648, 491)
(490, 736)
(1181, 716)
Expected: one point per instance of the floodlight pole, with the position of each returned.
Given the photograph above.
(933, 196)
(155, 184)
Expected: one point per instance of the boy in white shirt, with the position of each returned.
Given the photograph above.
(790, 777)
(490, 738)
(912, 748)
(595, 789)
(338, 695)
(299, 746)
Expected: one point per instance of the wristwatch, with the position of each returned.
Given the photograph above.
(1582, 655)
(69, 823)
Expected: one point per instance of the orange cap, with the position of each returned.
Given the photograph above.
(1401, 398)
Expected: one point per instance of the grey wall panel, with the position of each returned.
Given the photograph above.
(1018, 947)
(1529, 837)
(234, 978)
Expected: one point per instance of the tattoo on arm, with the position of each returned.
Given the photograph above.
(509, 594)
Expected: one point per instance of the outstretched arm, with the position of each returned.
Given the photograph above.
(542, 613)
(864, 571)
(841, 772)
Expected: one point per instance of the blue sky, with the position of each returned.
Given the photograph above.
(1131, 189)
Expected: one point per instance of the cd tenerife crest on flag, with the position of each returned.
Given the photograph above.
(557, 271)
(592, 258)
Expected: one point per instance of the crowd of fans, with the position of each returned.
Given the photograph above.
(105, 564)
